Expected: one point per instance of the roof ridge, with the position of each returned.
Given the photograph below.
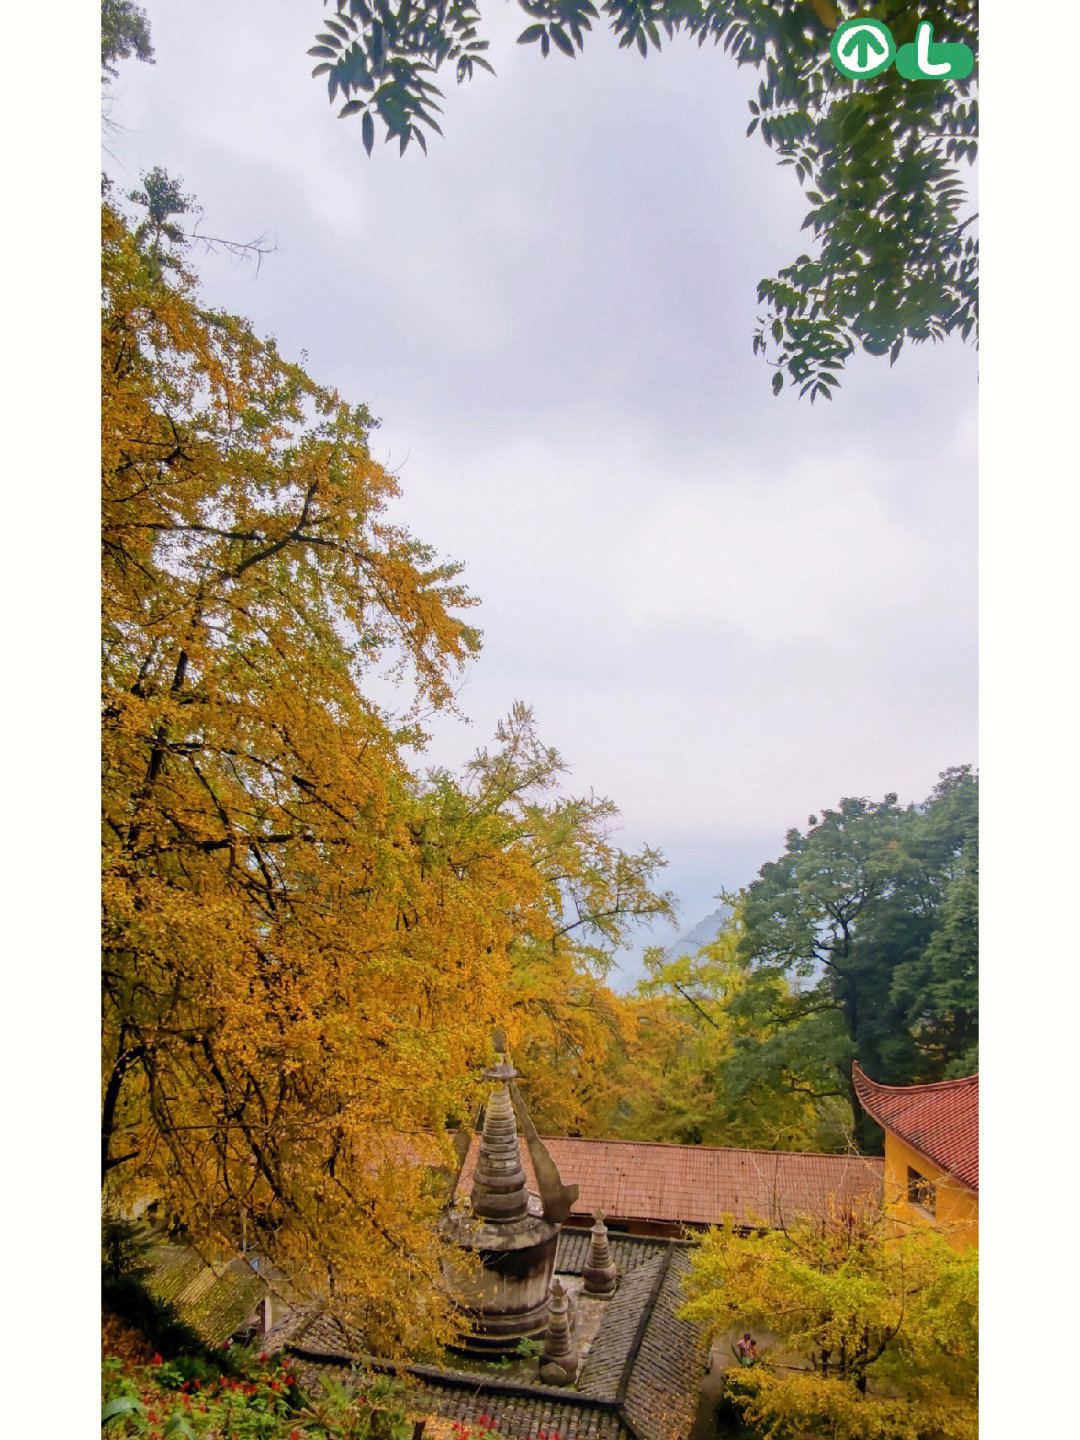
(472, 1380)
(920, 1089)
(621, 1388)
(721, 1149)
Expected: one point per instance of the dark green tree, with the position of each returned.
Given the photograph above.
(163, 200)
(729, 1054)
(125, 31)
(893, 259)
(872, 913)
(937, 986)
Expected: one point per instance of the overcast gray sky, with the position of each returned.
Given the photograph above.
(727, 610)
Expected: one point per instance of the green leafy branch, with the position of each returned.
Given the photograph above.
(894, 261)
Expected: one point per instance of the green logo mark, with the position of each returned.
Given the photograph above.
(926, 60)
(863, 48)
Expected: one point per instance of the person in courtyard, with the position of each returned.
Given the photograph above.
(746, 1348)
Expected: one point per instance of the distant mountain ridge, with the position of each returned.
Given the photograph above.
(691, 941)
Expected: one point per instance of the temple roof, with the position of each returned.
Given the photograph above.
(700, 1184)
(212, 1300)
(627, 1251)
(639, 1381)
(644, 1357)
(941, 1121)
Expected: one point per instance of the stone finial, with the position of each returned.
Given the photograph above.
(599, 1268)
(503, 1069)
(558, 1359)
(499, 1187)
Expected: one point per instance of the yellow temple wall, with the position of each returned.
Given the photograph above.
(956, 1209)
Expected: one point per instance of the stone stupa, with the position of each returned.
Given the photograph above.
(511, 1232)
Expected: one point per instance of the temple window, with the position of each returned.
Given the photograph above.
(920, 1191)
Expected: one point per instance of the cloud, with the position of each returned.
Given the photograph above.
(728, 610)
(832, 546)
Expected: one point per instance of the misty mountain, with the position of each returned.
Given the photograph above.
(691, 941)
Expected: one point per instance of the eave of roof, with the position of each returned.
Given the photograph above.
(940, 1120)
(212, 1300)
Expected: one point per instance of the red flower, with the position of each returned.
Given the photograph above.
(294, 1435)
(274, 1386)
(156, 1360)
(151, 1415)
(198, 1384)
(264, 1357)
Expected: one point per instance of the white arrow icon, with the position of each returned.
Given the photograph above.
(866, 39)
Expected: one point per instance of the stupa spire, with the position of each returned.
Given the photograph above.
(500, 1192)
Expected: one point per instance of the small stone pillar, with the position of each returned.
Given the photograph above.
(599, 1269)
(558, 1359)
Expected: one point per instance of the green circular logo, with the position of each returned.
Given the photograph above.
(861, 49)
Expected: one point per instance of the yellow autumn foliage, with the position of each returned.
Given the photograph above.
(873, 1329)
(306, 943)
(300, 957)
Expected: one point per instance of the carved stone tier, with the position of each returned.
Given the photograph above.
(506, 1298)
(499, 1190)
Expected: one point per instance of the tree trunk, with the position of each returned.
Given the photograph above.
(124, 1058)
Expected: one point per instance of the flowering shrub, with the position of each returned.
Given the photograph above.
(482, 1429)
(161, 1400)
(187, 1398)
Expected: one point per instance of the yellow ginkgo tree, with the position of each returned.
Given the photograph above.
(300, 957)
(874, 1327)
(306, 942)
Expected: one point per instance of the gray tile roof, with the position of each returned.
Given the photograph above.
(610, 1354)
(522, 1415)
(627, 1251)
(520, 1411)
(640, 1379)
(645, 1358)
(213, 1300)
(665, 1376)
(314, 1331)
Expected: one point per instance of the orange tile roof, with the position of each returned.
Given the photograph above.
(699, 1184)
(941, 1121)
